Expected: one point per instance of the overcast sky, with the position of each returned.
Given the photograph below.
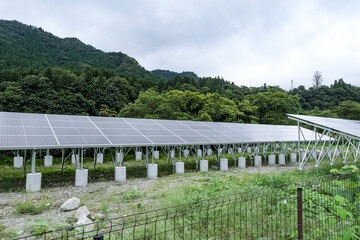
(248, 42)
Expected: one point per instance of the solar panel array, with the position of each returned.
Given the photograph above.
(351, 127)
(27, 130)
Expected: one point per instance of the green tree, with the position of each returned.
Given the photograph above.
(11, 99)
(106, 111)
(348, 110)
(272, 107)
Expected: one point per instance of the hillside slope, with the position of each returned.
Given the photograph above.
(31, 47)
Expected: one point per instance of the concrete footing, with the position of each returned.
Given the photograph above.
(242, 162)
(199, 152)
(138, 156)
(18, 162)
(48, 161)
(100, 158)
(120, 174)
(293, 157)
(271, 159)
(73, 158)
(152, 171)
(204, 165)
(81, 177)
(257, 161)
(156, 154)
(33, 182)
(179, 167)
(281, 157)
(248, 150)
(224, 166)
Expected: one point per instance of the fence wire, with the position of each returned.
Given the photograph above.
(270, 213)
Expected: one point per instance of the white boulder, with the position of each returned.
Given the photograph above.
(71, 204)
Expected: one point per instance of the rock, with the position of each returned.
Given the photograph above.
(84, 220)
(81, 212)
(71, 204)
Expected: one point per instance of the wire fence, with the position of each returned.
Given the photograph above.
(299, 210)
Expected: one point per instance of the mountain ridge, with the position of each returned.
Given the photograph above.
(28, 46)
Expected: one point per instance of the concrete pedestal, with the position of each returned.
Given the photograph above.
(302, 155)
(209, 152)
(224, 164)
(281, 157)
(73, 158)
(257, 162)
(48, 161)
(81, 177)
(33, 182)
(179, 167)
(242, 162)
(314, 154)
(199, 152)
(152, 171)
(293, 157)
(138, 156)
(120, 174)
(119, 157)
(271, 159)
(204, 165)
(248, 150)
(186, 153)
(156, 154)
(100, 158)
(18, 162)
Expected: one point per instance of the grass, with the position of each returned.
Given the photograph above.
(191, 187)
(30, 208)
(7, 233)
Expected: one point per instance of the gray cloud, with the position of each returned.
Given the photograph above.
(247, 42)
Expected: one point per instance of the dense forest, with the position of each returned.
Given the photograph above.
(42, 73)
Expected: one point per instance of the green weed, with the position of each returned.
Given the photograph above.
(29, 208)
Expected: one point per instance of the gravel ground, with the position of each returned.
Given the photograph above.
(100, 196)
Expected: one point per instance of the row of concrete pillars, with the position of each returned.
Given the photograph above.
(33, 179)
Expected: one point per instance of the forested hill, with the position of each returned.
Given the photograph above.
(168, 75)
(31, 47)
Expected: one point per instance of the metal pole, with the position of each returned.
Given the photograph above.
(300, 160)
(300, 213)
(47, 152)
(82, 159)
(33, 161)
(62, 160)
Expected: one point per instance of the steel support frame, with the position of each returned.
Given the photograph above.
(326, 143)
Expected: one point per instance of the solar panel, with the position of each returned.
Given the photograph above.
(351, 127)
(29, 130)
(41, 141)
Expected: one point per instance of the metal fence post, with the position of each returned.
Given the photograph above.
(99, 237)
(300, 213)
